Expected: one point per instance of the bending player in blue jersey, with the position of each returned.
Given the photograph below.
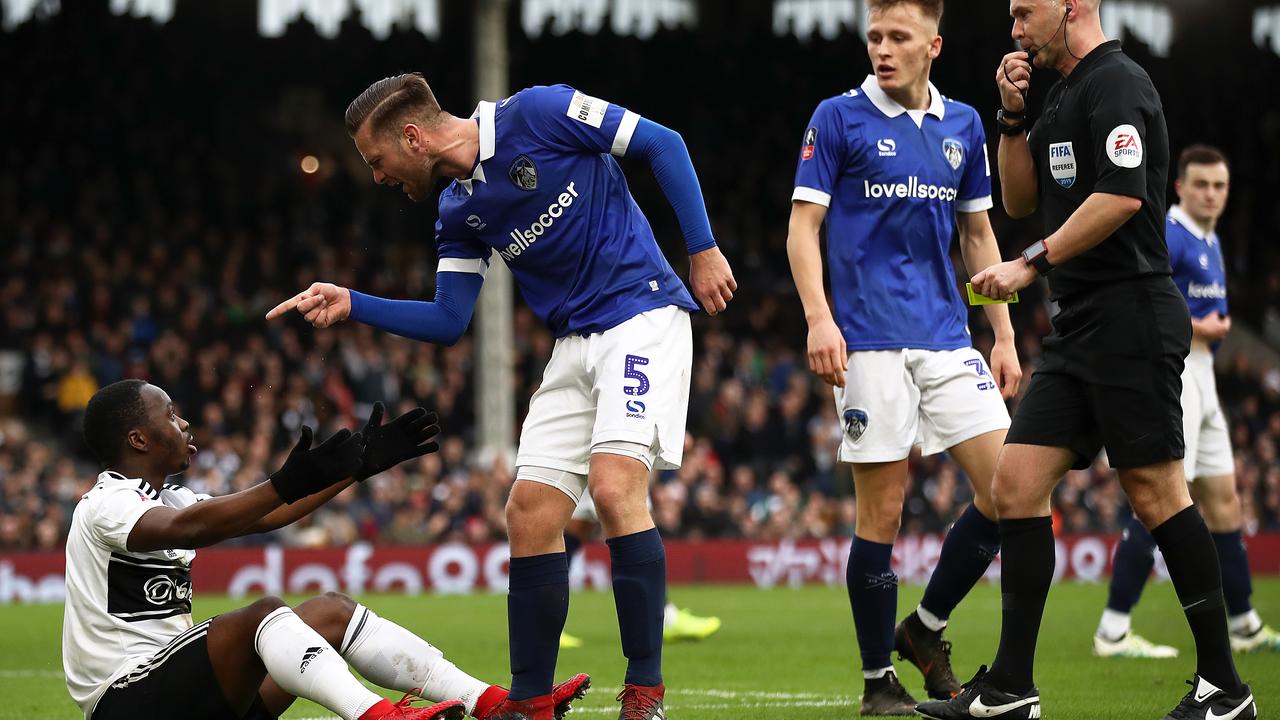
(1195, 252)
(892, 168)
(535, 180)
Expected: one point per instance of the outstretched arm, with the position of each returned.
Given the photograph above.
(668, 157)
(441, 321)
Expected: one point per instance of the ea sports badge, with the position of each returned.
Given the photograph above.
(1124, 146)
(953, 151)
(1062, 163)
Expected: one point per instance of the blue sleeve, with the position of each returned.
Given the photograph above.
(1177, 248)
(822, 155)
(570, 120)
(975, 183)
(441, 321)
(668, 158)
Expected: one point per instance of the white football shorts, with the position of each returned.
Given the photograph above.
(628, 384)
(895, 399)
(1204, 426)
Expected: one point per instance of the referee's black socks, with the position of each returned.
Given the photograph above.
(1026, 570)
(1192, 559)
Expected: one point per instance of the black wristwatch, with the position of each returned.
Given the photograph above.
(1017, 126)
(1037, 256)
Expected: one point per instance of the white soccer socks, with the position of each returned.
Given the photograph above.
(302, 663)
(1114, 625)
(392, 657)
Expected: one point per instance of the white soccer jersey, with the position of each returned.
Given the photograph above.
(121, 606)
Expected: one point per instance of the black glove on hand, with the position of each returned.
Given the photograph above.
(309, 470)
(404, 438)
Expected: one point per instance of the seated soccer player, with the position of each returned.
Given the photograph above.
(129, 646)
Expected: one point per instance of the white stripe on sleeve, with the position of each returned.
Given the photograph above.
(812, 195)
(625, 129)
(974, 205)
(463, 265)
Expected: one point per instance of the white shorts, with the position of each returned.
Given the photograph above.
(1204, 427)
(628, 384)
(895, 399)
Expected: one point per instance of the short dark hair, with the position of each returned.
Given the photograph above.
(1200, 155)
(931, 8)
(394, 98)
(111, 413)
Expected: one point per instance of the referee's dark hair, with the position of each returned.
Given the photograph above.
(1200, 155)
(111, 413)
(396, 98)
(931, 8)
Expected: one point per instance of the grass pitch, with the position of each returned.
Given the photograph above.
(782, 653)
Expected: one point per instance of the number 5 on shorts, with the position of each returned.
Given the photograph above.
(632, 373)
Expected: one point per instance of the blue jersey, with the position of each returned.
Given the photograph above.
(1198, 269)
(549, 198)
(892, 182)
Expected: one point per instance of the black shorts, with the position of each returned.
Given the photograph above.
(1111, 377)
(177, 681)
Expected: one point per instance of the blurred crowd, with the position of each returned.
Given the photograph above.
(149, 223)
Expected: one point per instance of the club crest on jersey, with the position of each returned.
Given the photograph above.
(954, 152)
(810, 139)
(1062, 163)
(523, 173)
(855, 423)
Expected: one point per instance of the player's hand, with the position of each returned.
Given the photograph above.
(1214, 326)
(828, 358)
(322, 305)
(712, 280)
(1005, 367)
(1002, 280)
(1013, 78)
(406, 437)
(309, 470)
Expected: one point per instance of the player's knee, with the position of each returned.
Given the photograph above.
(263, 607)
(337, 606)
(1222, 512)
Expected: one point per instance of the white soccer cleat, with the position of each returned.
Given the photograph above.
(1263, 640)
(1132, 645)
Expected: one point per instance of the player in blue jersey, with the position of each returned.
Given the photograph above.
(1195, 252)
(893, 169)
(535, 180)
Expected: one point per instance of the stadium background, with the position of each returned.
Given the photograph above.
(154, 203)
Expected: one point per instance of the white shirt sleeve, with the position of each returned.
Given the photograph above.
(113, 511)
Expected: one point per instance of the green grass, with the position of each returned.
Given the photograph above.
(782, 653)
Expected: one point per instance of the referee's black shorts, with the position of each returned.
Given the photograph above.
(1111, 376)
(177, 682)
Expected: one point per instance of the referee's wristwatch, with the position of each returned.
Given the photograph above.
(1037, 256)
(1010, 123)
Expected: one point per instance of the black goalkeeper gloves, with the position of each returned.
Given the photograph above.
(404, 438)
(309, 470)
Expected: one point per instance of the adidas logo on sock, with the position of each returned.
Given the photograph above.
(308, 656)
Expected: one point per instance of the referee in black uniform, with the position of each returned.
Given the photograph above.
(1095, 163)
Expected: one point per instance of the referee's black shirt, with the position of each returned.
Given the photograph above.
(1102, 129)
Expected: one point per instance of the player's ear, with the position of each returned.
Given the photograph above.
(935, 47)
(412, 136)
(136, 439)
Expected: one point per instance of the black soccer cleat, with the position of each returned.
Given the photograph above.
(978, 699)
(931, 655)
(1207, 701)
(886, 696)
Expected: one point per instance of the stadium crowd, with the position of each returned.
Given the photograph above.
(134, 247)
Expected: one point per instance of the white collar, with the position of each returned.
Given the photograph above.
(891, 108)
(484, 111)
(1181, 217)
(142, 485)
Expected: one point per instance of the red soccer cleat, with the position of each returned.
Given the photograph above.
(641, 702)
(542, 707)
(562, 697)
(447, 710)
